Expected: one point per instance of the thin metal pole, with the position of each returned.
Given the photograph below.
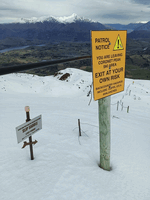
(128, 109)
(30, 138)
(117, 105)
(129, 92)
(104, 132)
(122, 106)
(79, 127)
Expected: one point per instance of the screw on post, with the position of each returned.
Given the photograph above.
(27, 109)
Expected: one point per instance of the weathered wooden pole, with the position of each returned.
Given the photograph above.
(27, 109)
(104, 132)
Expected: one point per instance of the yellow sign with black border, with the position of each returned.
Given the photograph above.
(108, 62)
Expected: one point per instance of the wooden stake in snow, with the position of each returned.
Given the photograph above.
(27, 109)
(104, 126)
(117, 105)
(128, 109)
(79, 127)
(122, 106)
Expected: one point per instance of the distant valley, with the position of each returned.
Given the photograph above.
(63, 39)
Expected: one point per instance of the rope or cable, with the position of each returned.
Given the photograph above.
(90, 124)
(84, 133)
(114, 104)
(79, 140)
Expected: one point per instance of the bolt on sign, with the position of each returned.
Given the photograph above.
(108, 62)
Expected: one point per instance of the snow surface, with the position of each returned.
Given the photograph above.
(66, 167)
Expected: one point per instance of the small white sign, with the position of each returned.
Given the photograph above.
(29, 128)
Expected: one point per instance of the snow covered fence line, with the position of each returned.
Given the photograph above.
(90, 92)
(121, 103)
(125, 107)
(83, 123)
(116, 104)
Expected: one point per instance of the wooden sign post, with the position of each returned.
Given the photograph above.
(27, 129)
(27, 109)
(104, 125)
(108, 65)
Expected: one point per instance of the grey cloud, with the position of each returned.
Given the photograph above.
(144, 2)
(13, 12)
(8, 9)
(122, 16)
(104, 11)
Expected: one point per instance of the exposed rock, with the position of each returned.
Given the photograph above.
(64, 77)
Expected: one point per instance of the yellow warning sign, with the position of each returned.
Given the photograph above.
(118, 44)
(108, 64)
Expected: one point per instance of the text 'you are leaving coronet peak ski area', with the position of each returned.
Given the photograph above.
(108, 62)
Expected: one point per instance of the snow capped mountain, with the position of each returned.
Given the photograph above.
(129, 27)
(35, 19)
(69, 19)
(145, 27)
(141, 31)
(70, 28)
(142, 22)
(72, 18)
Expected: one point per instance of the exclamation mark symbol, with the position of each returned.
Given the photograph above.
(118, 44)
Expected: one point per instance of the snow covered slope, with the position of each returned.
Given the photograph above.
(66, 167)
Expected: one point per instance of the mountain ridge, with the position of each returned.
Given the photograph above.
(71, 28)
(69, 19)
(129, 27)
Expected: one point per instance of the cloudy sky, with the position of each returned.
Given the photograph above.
(104, 11)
